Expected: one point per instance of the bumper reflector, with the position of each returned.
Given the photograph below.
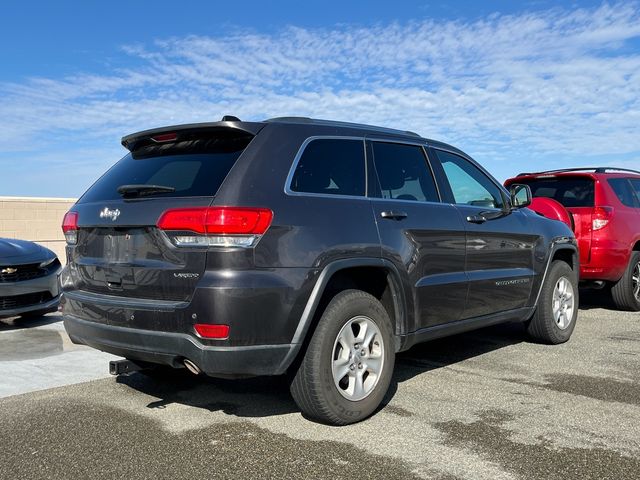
(207, 330)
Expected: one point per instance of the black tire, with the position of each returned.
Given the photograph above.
(313, 387)
(544, 326)
(625, 292)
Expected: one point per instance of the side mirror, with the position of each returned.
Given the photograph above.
(520, 195)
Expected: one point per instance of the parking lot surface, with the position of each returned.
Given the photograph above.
(482, 405)
(36, 354)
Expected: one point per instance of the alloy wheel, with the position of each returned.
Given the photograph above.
(358, 358)
(563, 303)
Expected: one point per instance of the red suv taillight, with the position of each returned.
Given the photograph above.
(70, 227)
(216, 226)
(600, 217)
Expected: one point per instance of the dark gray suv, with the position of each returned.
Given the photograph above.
(314, 248)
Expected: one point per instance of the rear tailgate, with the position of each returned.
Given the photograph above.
(582, 218)
(119, 249)
(129, 257)
(576, 192)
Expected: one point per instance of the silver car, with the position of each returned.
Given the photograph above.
(28, 279)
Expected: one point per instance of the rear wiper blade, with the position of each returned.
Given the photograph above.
(143, 189)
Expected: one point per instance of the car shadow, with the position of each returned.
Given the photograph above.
(591, 298)
(18, 323)
(250, 397)
(268, 396)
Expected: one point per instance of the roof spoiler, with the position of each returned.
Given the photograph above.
(174, 132)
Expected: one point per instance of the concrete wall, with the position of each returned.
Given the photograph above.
(35, 219)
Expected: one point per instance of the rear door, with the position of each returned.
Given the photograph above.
(119, 250)
(418, 232)
(499, 243)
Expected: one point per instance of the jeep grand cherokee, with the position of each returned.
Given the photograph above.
(308, 247)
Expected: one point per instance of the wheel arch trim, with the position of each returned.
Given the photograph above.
(557, 244)
(306, 319)
(398, 294)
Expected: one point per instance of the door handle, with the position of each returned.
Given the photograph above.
(476, 219)
(393, 215)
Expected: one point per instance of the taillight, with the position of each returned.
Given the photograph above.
(70, 227)
(217, 332)
(601, 217)
(216, 226)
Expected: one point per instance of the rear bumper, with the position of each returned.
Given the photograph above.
(172, 348)
(605, 263)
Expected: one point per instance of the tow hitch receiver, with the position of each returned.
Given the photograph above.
(118, 367)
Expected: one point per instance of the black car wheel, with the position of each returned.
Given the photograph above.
(557, 309)
(348, 364)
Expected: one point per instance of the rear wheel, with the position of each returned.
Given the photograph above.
(348, 364)
(557, 310)
(626, 291)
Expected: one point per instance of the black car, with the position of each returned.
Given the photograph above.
(308, 247)
(28, 279)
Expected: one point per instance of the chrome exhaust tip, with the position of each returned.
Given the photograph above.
(192, 367)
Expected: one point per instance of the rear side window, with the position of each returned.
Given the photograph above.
(403, 172)
(569, 191)
(196, 168)
(624, 191)
(331, 166)
(635, 183)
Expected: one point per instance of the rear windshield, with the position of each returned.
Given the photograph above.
(569, 191)
(194, 169)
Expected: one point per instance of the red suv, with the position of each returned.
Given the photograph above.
(604, 204)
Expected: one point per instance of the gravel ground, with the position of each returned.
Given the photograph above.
(482, 405)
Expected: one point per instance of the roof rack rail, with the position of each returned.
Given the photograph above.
(318, 121)
(581, 169)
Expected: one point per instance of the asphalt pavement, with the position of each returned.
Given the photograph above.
(482, 405)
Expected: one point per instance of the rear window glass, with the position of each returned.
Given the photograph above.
(331, 167)
(635, 183)
(403, 172)
(193, 170)
(569, 191)
(625, 192)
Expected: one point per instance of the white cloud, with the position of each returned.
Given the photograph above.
(557, 86)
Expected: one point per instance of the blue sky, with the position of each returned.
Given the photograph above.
(517, 85)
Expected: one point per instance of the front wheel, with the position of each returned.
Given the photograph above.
(626, 292)
(348, 365)
(557, 309)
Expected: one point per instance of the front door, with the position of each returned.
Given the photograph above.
(499, 243)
